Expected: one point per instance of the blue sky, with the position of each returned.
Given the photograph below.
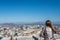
(29, 10)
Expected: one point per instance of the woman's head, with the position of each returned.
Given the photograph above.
(48, 23)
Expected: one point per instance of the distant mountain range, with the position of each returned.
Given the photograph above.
(13, 24)
(34, 23)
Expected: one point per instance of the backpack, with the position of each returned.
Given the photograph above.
(44, 34)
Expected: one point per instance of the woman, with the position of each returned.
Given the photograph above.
(48, 31)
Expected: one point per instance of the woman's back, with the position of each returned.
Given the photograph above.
(49, 32)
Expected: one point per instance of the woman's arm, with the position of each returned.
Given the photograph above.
(56, 30)
(42, 33)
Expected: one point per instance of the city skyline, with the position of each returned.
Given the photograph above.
(29, 10)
